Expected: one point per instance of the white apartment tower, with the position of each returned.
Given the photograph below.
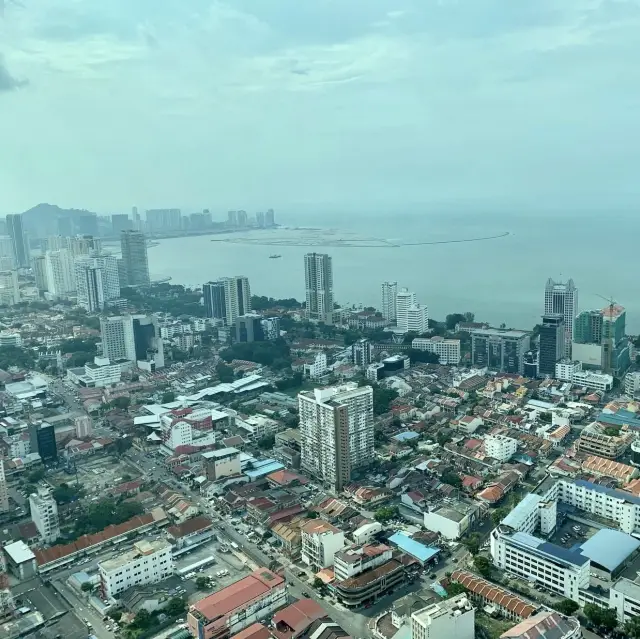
(237, 297)
(4, 493)
(318, 275)
(61, 279)
(417, 319)
(147, 563)
(117, 338)
(405, 299)
(97, 281)
(336, 431)
(562, 298)
(389, 294)
(44, 514)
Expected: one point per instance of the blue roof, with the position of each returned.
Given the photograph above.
(264, 469)
(610, 548)
(572, 556)
(618, 494)
(412, 547)
(522, 510)
(403, 437)
(619, 418)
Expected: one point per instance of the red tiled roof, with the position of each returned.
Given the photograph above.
(286, 477)
(255, 631)
(494, 594)
(190, 527)
(238, 594)
(296, 618)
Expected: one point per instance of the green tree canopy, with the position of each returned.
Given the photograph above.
(567, 607)
(225, 373)
(386, 513)
(482, 565)
(14, 356)
(168, 397)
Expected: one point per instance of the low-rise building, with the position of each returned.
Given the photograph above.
(190, 534)
(320, 542)
(21, 561)
(357, 559)
(258, 426)
(448, 350)
(607, 468)
(500, 447)
(595, 441)
(222, 463)
(452, 519)
(453, 618)
(148, 562)
(624, 598)
(238, 606)
(546, 623)
(593, 380)
(289, 536)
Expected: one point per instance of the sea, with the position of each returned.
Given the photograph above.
(500, 280)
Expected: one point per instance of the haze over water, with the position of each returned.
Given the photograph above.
(500, 280)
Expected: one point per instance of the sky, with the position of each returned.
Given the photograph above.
(355, 105)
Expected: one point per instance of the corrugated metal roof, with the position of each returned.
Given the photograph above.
(609, 548)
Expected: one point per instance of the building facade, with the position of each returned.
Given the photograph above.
(237, 297)
(97, 281)
(562, 298)
(214, 300)
(336, 431)
(61, 280)
(453, 618)
(133, 245)
(389, 294)
(320, 543)
(44, 514)
(500, 447)
(499, 349)
(552, 346)
(448, 350)
(249, 328)
(318, 276)
(4, 492)
(19, 241)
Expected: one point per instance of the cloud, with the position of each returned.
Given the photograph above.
(7, 81)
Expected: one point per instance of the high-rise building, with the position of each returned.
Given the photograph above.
(43, 441)
(270, 218)
(232, 218)
(6, 252)
(44, 514)
(405, 299)
(133, 245)
(242, 218)
(260, 220)
(117, 338)
(499, 349)
(164, 220)
(417, 319)
(19, 241)
(249, 328)
(237, 297)
(97, 281)
(9, 288)
(336, 432)
(214, 300)
(561, 298)
(120, 222)
(4, 491)
(318, 273)
(39, 267)
(389, 294)
(271, 328)
(148, 344)
(552, 347)
(361, 353)
(61, 280)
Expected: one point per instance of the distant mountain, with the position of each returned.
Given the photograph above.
(44, 220)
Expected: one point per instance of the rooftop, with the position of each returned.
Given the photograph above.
(572, 556)
(19, 552)
(222, 452)
(412, 547)
(140, 549)
(628, 588)
(610, 548)
(544, 625)
(238, 594)
(297, 617)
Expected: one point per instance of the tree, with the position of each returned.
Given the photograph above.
(143, 619)
(87, 587)
(123, 444)
(498, 515)
(202, 583)
(121, 402)
(116, 615)
(473, 543)
(632, 628)
(444, 437)
(318, 583)
(267, 442)
(175, 606)
(65, 494)
(225, 373)
(482, 565)
(417, 356)
(14, 356)
(386, 513)
(452, 478)
(452, 320)
(454, 589)
(35, 475)
(168, 397)
(602, 617)
(382, 398)
(567, 607)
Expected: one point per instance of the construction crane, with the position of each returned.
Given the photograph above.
(608, 341)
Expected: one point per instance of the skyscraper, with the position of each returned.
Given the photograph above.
(270, 218)
(249, 328)
(552, 346)
(405, 299)
(242, 218)
(117, 337)
(4, 496)
(389, 294)
(163, 220)
(43, 441)
(61, 279)
(9, 288)
(562, 298)
(318, 274)
(20, 244)
(134, 256)
(232, 218)
(237, 297)
(39, 267)
(214, 300)
(336, 432)
(6, 252)
(133, 337)
(120, 222)
(97, 281)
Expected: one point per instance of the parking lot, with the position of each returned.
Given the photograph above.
(570, 533)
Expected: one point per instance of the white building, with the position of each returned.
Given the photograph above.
(237, 297)
(562, 298)
(9, 288)
(270, 328)
(448, 350)
(320, 542)
(336, 431)
(44, 514)
(500, 447)
(117, 337)
(562, 571)
(61, 279)
(147, 563)
(405, 299)
(10, 338)
(389, 294)
(417, 319)
(356, 559)
(450, 619)
(361, 353)
(259, 426)
(632, 384)
(4, 493)
(224, 462)
(102, 372)
(566, 368)
(593, 380)
(318, 276)
(452, 519)
(624, 598)
(317, 368)
(97, 281)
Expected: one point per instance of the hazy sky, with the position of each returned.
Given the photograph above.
(106, 104)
